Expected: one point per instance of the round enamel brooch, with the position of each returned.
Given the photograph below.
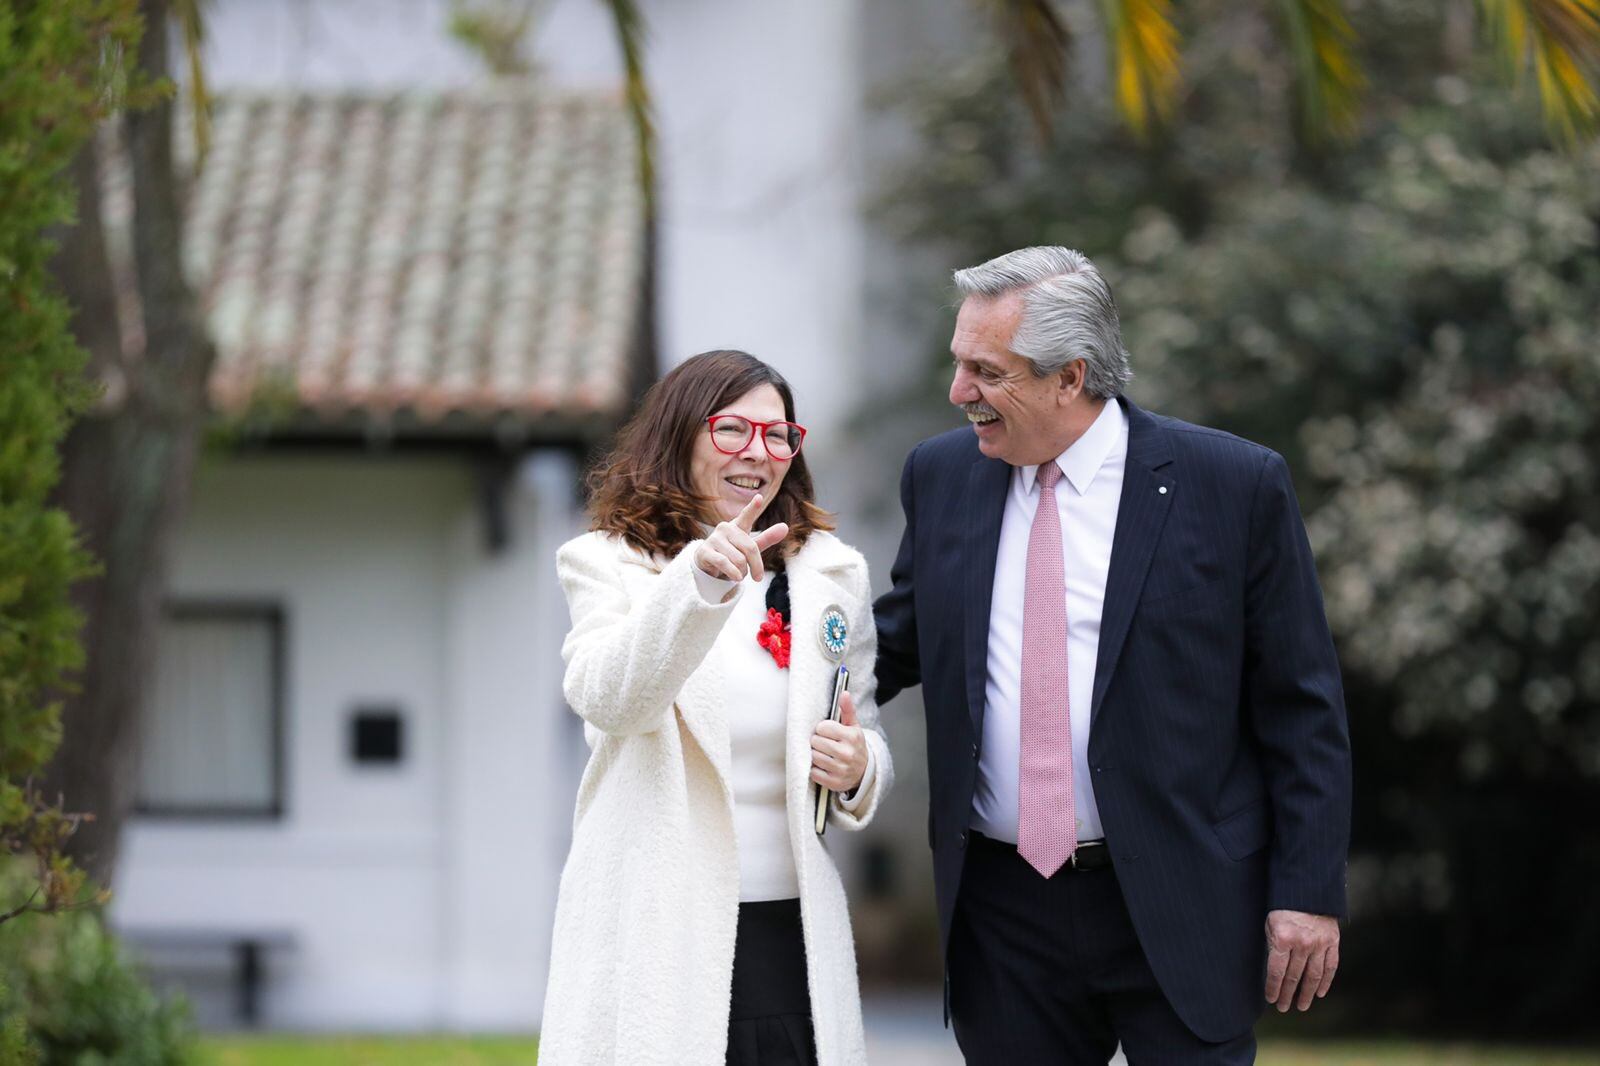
(834, 632)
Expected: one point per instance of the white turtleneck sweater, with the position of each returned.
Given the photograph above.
(758, 712)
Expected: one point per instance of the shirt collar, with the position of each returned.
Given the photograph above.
(1086, 455)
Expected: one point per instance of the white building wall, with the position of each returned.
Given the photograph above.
(514, 753)
(760, 234)
(418, 895)
(761, 120)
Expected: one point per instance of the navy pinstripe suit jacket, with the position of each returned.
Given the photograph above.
(1218, 743)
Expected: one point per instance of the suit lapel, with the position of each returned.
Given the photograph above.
(1146, 498)
(985, 505)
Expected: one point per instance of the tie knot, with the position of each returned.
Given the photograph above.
(1049, 474)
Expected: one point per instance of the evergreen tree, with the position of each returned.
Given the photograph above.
(61, 72)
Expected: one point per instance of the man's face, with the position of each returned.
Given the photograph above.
(1020, 418)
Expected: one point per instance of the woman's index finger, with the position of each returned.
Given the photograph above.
(747, 517)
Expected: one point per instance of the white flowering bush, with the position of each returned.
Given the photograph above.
(1427, 348)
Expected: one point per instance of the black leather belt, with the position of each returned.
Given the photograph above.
(1090, 854)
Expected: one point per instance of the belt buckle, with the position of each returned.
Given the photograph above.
(1079, 850)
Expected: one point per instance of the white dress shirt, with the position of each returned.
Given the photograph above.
(1087, 497)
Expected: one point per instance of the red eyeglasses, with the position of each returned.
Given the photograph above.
(730, 435)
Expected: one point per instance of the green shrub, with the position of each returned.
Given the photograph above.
(70, 996)
(67, 996)
(90, 1006)
(15, 1048)
(60, 74)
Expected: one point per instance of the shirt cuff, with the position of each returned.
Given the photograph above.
(853, 802)
(712, 589)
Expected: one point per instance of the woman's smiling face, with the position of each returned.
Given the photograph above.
(729, 481)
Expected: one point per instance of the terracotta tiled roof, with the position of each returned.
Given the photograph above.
(474, 255)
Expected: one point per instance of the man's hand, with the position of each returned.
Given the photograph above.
(1302, 954)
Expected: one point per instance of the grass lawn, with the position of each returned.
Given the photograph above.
(492, 1051)
(368, 1051)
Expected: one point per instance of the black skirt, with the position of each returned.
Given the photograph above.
(770, 1020)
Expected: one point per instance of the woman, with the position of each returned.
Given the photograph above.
(701, 920)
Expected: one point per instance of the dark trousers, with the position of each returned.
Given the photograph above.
(769, 1023)
(1050, 971)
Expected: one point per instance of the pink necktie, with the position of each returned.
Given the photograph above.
(1047, 829)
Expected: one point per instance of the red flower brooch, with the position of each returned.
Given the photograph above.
(774, 636)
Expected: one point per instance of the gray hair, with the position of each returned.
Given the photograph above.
(1067, 313)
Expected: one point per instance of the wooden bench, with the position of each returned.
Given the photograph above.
(244, 949)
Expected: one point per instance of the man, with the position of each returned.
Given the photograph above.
(1137, 751)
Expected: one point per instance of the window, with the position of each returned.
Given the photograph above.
(211, 744)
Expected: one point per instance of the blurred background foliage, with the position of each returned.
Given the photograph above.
(66, 994)
(1412, 321)
(55, 83)
(69, 996)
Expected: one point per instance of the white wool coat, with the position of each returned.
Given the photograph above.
(641, 960)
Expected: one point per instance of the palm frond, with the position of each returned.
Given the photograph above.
(1560, 40)
(1328, 75)
(191, 22)
(1144, 60)
(629, 22)
(498, 32)
(1036, 43)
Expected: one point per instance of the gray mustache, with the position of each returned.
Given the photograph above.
(979, 409)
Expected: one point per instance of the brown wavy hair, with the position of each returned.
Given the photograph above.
(641, 491)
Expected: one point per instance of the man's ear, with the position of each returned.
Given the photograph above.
(1070, 380)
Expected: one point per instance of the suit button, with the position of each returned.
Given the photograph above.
(961, 840)
(974, 751)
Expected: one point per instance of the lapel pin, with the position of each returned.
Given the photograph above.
(1162, 490)
(833, 632)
